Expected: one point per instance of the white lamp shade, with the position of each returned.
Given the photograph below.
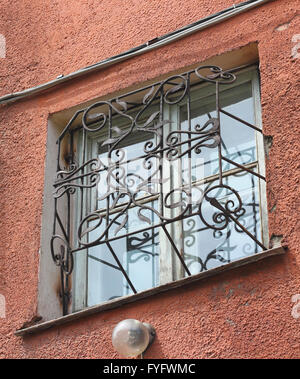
(130, 338)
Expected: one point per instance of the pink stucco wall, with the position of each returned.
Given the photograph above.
(241, 314)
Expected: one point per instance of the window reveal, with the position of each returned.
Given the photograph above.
(161, 183)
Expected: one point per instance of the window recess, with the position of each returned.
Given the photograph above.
(160, 184)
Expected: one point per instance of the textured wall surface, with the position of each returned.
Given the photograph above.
(241, 314)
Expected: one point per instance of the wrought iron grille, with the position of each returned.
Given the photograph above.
(93, 194)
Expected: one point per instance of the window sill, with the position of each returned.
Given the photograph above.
(278, 250)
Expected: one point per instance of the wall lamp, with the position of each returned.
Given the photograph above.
(131, 337)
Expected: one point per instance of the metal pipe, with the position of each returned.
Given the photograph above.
(146, 47)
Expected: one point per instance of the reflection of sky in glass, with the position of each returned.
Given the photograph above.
(238, 140)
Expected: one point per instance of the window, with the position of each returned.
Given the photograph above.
(159, 184)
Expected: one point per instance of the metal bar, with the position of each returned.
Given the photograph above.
(254, 211)
(243, 167)
(190, 144)
(121, 267)
(219, 132)
(58, 156)
(246, 231)
(68, 240)
(82, 205)
(108, 197)
(62, 288)
(61, 226)
(54, 218)
(82, 170)
(240, 120)
(104, 262)
(161, 161)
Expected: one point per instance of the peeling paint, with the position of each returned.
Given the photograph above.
(282, 27)
(275, 239)
(268, 142)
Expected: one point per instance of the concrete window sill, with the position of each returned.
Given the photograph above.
(278, 250)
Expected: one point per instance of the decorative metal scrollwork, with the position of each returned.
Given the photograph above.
(69, 180)
(222, 213)
(150, 192)
(217, 76)
(64, 257)
(201, 136)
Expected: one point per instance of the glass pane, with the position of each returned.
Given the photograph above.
(237, 139)
(138, 254)
(206, 248)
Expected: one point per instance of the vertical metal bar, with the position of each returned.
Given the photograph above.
(152, 241)
(68, 229)
(254, 210)
(108, 166)
(55, 199)
(82, 172)
(55, 217)
(63, 294)
(61, 226)
(67, 252)
(161, 163)
(227, 242)
(190, 143)
(68, 217)
(62, 274)
(219, 132)
(58, 156)
(82, 204)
